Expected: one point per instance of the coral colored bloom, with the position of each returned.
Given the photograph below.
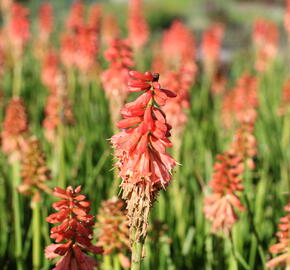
(221, 206)
(45, 18)
(282, 249)
(178, 46)
(18, 28)
(245, 144)
(34, 171)
(58, 108)
(86, 49)
(110, 29)
(15, 128)
(140, 147)
(287, 17)
(94, 19)
(265, 38)
(74, 233)
(176, 59)
(113, 229)
(68, 49)
(239, 105)
(211, 47)
(115, 78)
(75, 19)
(137, 25)
(50, 70)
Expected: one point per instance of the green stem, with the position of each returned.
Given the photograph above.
(71, 83)
(36, 236)
(60, 157)
(137, 248)
(17, 78)
(17, 218)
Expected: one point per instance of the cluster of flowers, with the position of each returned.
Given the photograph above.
(115, 78)
(176, 60)
(265, 38)
(80, 41)
(113, 229)
(73, 235)
(20, 146)
(140, 147)
(239, 109)
(283, 247)
(58, 109)
(222, 205)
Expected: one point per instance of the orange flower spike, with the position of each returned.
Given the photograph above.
(137, 26)
(144, 165)
(15, 128)
(211, 47)
(222, 205)
(282, 249)
(45, 18)
(75, 231)
(18, 28)
(265, 38)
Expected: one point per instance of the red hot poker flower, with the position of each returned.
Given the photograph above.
(75, 231)
(15, 128)
(110, 29)
(265, 38)
(221, 206)
(76, 17)
(283, 247)
(137, 25)
(87, 48)
(211, 46)
(287, 17)
(18, 28)
(140, 147)
(45, 21)
(115, 78)
(239, 105)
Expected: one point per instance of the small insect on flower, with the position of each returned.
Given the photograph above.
(74, 234)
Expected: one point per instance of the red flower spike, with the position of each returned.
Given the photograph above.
(282, 248)
(75, 229)
(239, 105)
(211, 47)
(45, 21)
(15, 129)
(75, 19)
(144, 165)
(137, 25)
(115, 78)
(18, 29)
(265, 39)
(221, 206)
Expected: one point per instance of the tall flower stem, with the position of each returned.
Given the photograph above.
(17, 218)
(17, 77)
(60, 157)
(137, 248)
(36, 236)
(71, 82)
